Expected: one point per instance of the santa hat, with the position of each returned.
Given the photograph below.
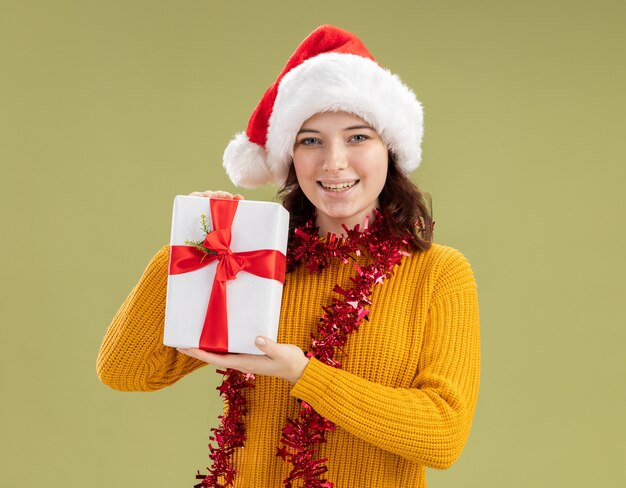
(331, 70)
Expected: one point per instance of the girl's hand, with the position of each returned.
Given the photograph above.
(216, 194)
(285, 361)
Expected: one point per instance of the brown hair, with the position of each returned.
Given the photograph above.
(406, 207)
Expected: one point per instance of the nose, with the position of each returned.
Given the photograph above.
(336, 157)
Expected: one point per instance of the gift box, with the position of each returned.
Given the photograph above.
(226, 273)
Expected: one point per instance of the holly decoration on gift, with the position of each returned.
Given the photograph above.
(199, 245)
(342, 317)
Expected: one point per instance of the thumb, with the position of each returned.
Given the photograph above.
(265, 344)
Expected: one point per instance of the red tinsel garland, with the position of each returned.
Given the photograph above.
(231, 433)
(341, 318)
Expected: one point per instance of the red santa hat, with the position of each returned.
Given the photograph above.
(331, 70)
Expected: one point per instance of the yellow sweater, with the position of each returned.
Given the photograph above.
(404, 399)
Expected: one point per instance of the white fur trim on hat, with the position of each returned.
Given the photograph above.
(245, 163)
(349, 83)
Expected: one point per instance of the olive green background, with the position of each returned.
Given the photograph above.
(109, 109)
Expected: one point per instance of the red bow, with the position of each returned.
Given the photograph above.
(266, 263)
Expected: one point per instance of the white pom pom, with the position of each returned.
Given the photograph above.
(245, 162)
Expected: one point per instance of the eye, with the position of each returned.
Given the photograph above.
(308, 141)
(359, 138)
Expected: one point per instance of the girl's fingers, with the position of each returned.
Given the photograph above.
(216, 194)
(247, 363)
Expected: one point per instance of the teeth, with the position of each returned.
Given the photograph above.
(338, 187)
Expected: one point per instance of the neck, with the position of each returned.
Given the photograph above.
(327, 225)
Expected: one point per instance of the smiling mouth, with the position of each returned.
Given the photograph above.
(338, 186)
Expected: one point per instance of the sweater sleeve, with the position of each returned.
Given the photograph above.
(132, 356)
(428, 423)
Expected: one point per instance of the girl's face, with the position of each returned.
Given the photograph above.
(341, 165)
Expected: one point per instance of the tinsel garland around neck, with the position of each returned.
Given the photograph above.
(341, 317)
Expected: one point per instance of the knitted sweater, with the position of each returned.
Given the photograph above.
(403, 401)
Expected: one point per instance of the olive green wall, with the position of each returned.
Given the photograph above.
(108, 109)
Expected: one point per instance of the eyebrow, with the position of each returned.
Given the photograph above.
(352, 127)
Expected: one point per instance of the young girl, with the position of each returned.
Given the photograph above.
(375, 372)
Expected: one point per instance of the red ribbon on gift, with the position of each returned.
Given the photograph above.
(266, 263)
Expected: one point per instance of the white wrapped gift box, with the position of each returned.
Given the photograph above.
(252, 302)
